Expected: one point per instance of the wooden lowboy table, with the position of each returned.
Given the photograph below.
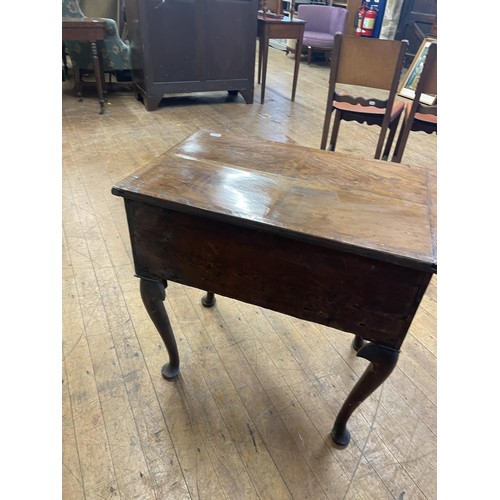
(337, 240)
(268, 28)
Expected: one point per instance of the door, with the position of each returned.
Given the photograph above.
(416, 22)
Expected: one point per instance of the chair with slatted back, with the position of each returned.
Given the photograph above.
(365, 64)
(420, 116)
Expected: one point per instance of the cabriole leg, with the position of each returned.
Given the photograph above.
(153, 295)
(383, 360)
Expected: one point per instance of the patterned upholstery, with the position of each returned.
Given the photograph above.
(112, 9)
(115, 52)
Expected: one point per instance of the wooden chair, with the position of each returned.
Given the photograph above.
(371, 63)
(420, 116)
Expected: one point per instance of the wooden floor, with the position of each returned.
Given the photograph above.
(251, 411)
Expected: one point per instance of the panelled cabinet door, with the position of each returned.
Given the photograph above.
(230, 26)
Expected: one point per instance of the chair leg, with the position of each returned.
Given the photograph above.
(380, 143)
(326, 126)
(77, 81)
(65, 60)
(309, 55)
(397, 155)
(390, 138)
(335, 130)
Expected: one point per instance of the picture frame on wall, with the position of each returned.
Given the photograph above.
(410, 81)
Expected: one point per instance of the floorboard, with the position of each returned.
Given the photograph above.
(250, 413)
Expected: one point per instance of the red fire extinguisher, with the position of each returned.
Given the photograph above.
(369, 22)
(360, 16)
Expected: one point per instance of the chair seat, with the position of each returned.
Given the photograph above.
(317, 39)
(397, 108)
(424, 117)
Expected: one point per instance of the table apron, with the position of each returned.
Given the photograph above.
(281, 31)
(354, 293)
(83, 34)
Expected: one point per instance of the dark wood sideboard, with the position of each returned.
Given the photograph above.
(184, 46)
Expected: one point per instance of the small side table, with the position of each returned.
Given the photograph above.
(92, 30)
(344, 242)
(268, 28)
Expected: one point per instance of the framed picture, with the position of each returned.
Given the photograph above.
(409, 84)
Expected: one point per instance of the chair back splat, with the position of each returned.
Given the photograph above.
(371, 63)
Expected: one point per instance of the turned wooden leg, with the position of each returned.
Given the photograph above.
(208, 300)
(153, 295)
(383, 360)
(98, 75)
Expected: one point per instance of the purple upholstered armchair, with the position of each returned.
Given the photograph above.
(322, 22)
